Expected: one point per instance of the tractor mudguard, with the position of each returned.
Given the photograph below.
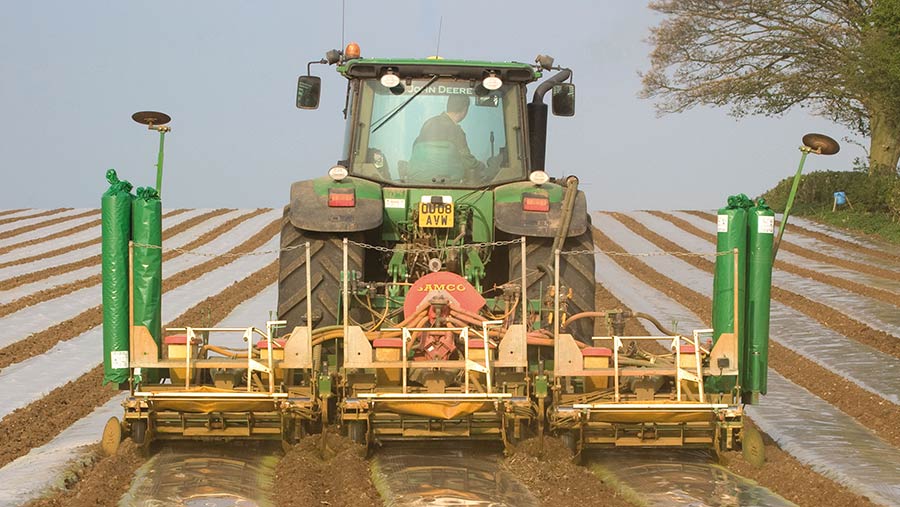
(510, 218)
(310, 210)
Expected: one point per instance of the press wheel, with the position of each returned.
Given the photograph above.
(752, 446)
(112, 436)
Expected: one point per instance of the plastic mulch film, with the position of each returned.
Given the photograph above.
(679, 477)
(807, 427)
(147, 282)
(794, 330)
(115, 206)
(850, 236)
(806, 242)
(829, 441)
(197, 474)
(874, 313)
(448, 475)
(49, 466)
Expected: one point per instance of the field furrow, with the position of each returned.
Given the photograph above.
(29, 217)
(44, 422)
(824, 252)
(19, 348)
(54, 224)
(77, 258)
(784, 472)
(871, 410)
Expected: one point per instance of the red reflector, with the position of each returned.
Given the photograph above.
(535, 203)
(341, 197)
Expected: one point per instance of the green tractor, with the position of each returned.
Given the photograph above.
(420, 270)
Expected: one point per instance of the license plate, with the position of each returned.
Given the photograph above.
(436, 212)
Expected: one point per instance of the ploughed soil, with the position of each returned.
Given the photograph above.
(94, 260)
(337, 477)
(46, 223)
(42, 341)
(792, 480)
(884, 295)
(39, 422)
(36, 215)
(554, 479)
(811, 254)
(829, 317)
(98, 481)
(825, 238)
(782, 473)
(11, 211)
(870, 410)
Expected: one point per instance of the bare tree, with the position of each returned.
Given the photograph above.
(840, 58)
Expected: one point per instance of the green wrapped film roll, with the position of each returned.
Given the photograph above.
(146, 223)
(115, 212)
(731, 234)
(759, 283)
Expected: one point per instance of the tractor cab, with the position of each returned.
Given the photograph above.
(437, 123)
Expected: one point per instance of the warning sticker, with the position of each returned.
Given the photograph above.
(118, 359)
(395, 203)
(722, 223)
(766, 225)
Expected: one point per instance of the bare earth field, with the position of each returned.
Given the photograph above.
(862, 272)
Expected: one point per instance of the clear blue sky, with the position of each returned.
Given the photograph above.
(72, 73)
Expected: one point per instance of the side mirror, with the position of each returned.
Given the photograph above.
(564, 99)
(308, 90)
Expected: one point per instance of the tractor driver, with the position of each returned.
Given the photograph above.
(445, 128)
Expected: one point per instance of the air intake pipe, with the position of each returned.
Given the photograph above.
(537, 119)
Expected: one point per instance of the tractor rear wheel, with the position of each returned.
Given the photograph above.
(326, 263)
(576, 273)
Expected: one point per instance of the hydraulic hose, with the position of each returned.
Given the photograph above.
(583, 315)
(655, 322)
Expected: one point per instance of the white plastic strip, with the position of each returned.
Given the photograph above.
(43, 232)
(22, 213)
(19, 483)
(33, 378)
(792, 329)
(843, 235)
(44, 467)
(76, 255)
(37, 220)
(815, 245)
(19, 325)
(807, 427)
(872, 312)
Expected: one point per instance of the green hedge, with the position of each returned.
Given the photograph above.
(867, 194)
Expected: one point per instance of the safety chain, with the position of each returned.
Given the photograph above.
(434, 249)
(385, 249)
(212, 255)
(644, 254)
(350, 241)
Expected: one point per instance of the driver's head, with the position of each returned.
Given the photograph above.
(458, 106)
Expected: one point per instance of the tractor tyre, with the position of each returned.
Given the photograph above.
(326, 260)
(139, 431)
(576, 273)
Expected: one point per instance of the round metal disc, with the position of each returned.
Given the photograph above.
(151, 118)
(112, 436)
(752, 446)
(825, 144)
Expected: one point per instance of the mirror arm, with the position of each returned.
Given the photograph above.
(308, 71)
(548, 84)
